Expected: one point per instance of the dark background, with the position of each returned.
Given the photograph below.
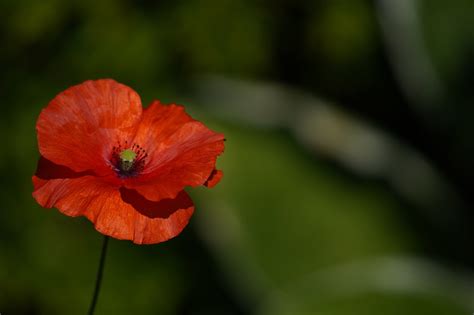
(348, 163)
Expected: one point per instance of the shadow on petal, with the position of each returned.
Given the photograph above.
(156, 209)
(49, 170)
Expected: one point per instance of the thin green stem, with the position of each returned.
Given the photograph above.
(98, 280)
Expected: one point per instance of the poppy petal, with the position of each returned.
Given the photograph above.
(119, 213)
(214, 178)
(80, 125)
(49, 170)
(181, 152)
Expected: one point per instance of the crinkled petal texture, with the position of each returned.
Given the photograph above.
(76, 135)
(115, 211)
(182, 152)
(79, 126)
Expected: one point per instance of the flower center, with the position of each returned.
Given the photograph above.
(128, 162)
(127, 157)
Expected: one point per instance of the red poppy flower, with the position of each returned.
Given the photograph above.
(122, 167)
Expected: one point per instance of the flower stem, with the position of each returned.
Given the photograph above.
(98, 280)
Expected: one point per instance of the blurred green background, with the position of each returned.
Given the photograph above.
(348, 163)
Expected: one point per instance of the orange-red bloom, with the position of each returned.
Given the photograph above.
(124, 168)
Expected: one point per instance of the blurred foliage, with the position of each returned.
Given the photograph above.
(291, 229)
(449, 34)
